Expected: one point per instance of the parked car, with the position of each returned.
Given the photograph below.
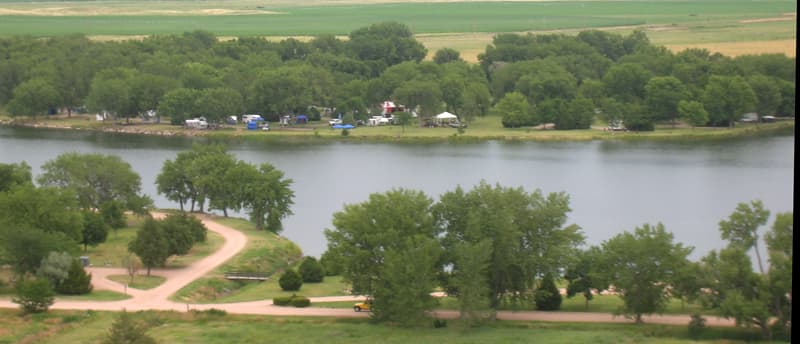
(335, 121)
(363, 306)
(768, 119)
(265, 126)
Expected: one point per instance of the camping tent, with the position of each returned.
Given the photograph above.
(301, 119)
(446, 115)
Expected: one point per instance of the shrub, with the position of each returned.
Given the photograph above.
(55, 267)
(300, 301)
(547, 296)
(696, 326)
(78, 281)
(282, 300)
(311, 270)
(34, 296)
(439, 323)
(290, 281)
(127, 330)
(345, 132)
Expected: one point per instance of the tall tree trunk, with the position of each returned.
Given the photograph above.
(758, 256)
(148, 271)
(225, 212)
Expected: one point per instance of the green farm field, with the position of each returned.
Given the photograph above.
(463, 25)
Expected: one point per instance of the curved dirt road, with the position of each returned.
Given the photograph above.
(235, 241)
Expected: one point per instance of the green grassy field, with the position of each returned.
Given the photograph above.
(80, 327)
(450, 17)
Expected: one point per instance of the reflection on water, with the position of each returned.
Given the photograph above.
(613, 185)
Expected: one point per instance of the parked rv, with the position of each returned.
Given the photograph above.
(196, 123)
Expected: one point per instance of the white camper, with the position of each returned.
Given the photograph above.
(196, 123)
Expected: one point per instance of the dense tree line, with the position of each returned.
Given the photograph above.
(496, 247)
(209, 173)
(554, 78)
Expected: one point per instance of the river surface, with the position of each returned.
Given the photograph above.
(613, 185)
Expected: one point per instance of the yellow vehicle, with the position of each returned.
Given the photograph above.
(363, 306)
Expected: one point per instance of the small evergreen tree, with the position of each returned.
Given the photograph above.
(126, 330)
(290, 281)
(547, 296)
(34, 296)
(78, 281)
(311, 270)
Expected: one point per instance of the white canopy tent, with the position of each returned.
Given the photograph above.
(446, 115)
(446, 118)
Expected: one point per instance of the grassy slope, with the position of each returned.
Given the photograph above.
(265, 252)
(65, 327)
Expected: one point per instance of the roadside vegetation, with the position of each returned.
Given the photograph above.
(217, 327)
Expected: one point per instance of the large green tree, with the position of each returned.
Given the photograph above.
(727, 98)
(514, 110)
(387, 248)
(662, 95)
(641, 265)
(525, 232)
(96, 179)
(741, 227)
(151, 245)
(12, 175)
(33, 97)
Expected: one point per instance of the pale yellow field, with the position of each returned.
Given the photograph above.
(787, 47)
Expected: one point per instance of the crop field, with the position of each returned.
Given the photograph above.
(463, 25)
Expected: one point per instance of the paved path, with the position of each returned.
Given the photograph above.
(235, 241)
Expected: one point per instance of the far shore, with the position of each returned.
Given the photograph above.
(481, 129)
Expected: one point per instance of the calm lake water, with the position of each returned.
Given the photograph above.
(613, 186)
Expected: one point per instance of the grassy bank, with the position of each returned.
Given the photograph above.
(480, 129)
(600, 304)
(113, 252)
(265, 252)
(65, 327)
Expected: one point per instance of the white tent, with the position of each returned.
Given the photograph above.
(446, 115)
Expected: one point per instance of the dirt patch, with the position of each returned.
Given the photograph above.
(103, 11)
(785, 17)
(786, 46)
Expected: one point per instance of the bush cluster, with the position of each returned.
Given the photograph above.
(311, 270)
(294, 300)
(547, 295)
(290, 281)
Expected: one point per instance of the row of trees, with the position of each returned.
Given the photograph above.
(527, 79)
(494, 246)
(80, 198)
(489, 246)
(157, 240)
(210, 173)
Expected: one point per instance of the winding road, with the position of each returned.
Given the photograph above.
(235, 241)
